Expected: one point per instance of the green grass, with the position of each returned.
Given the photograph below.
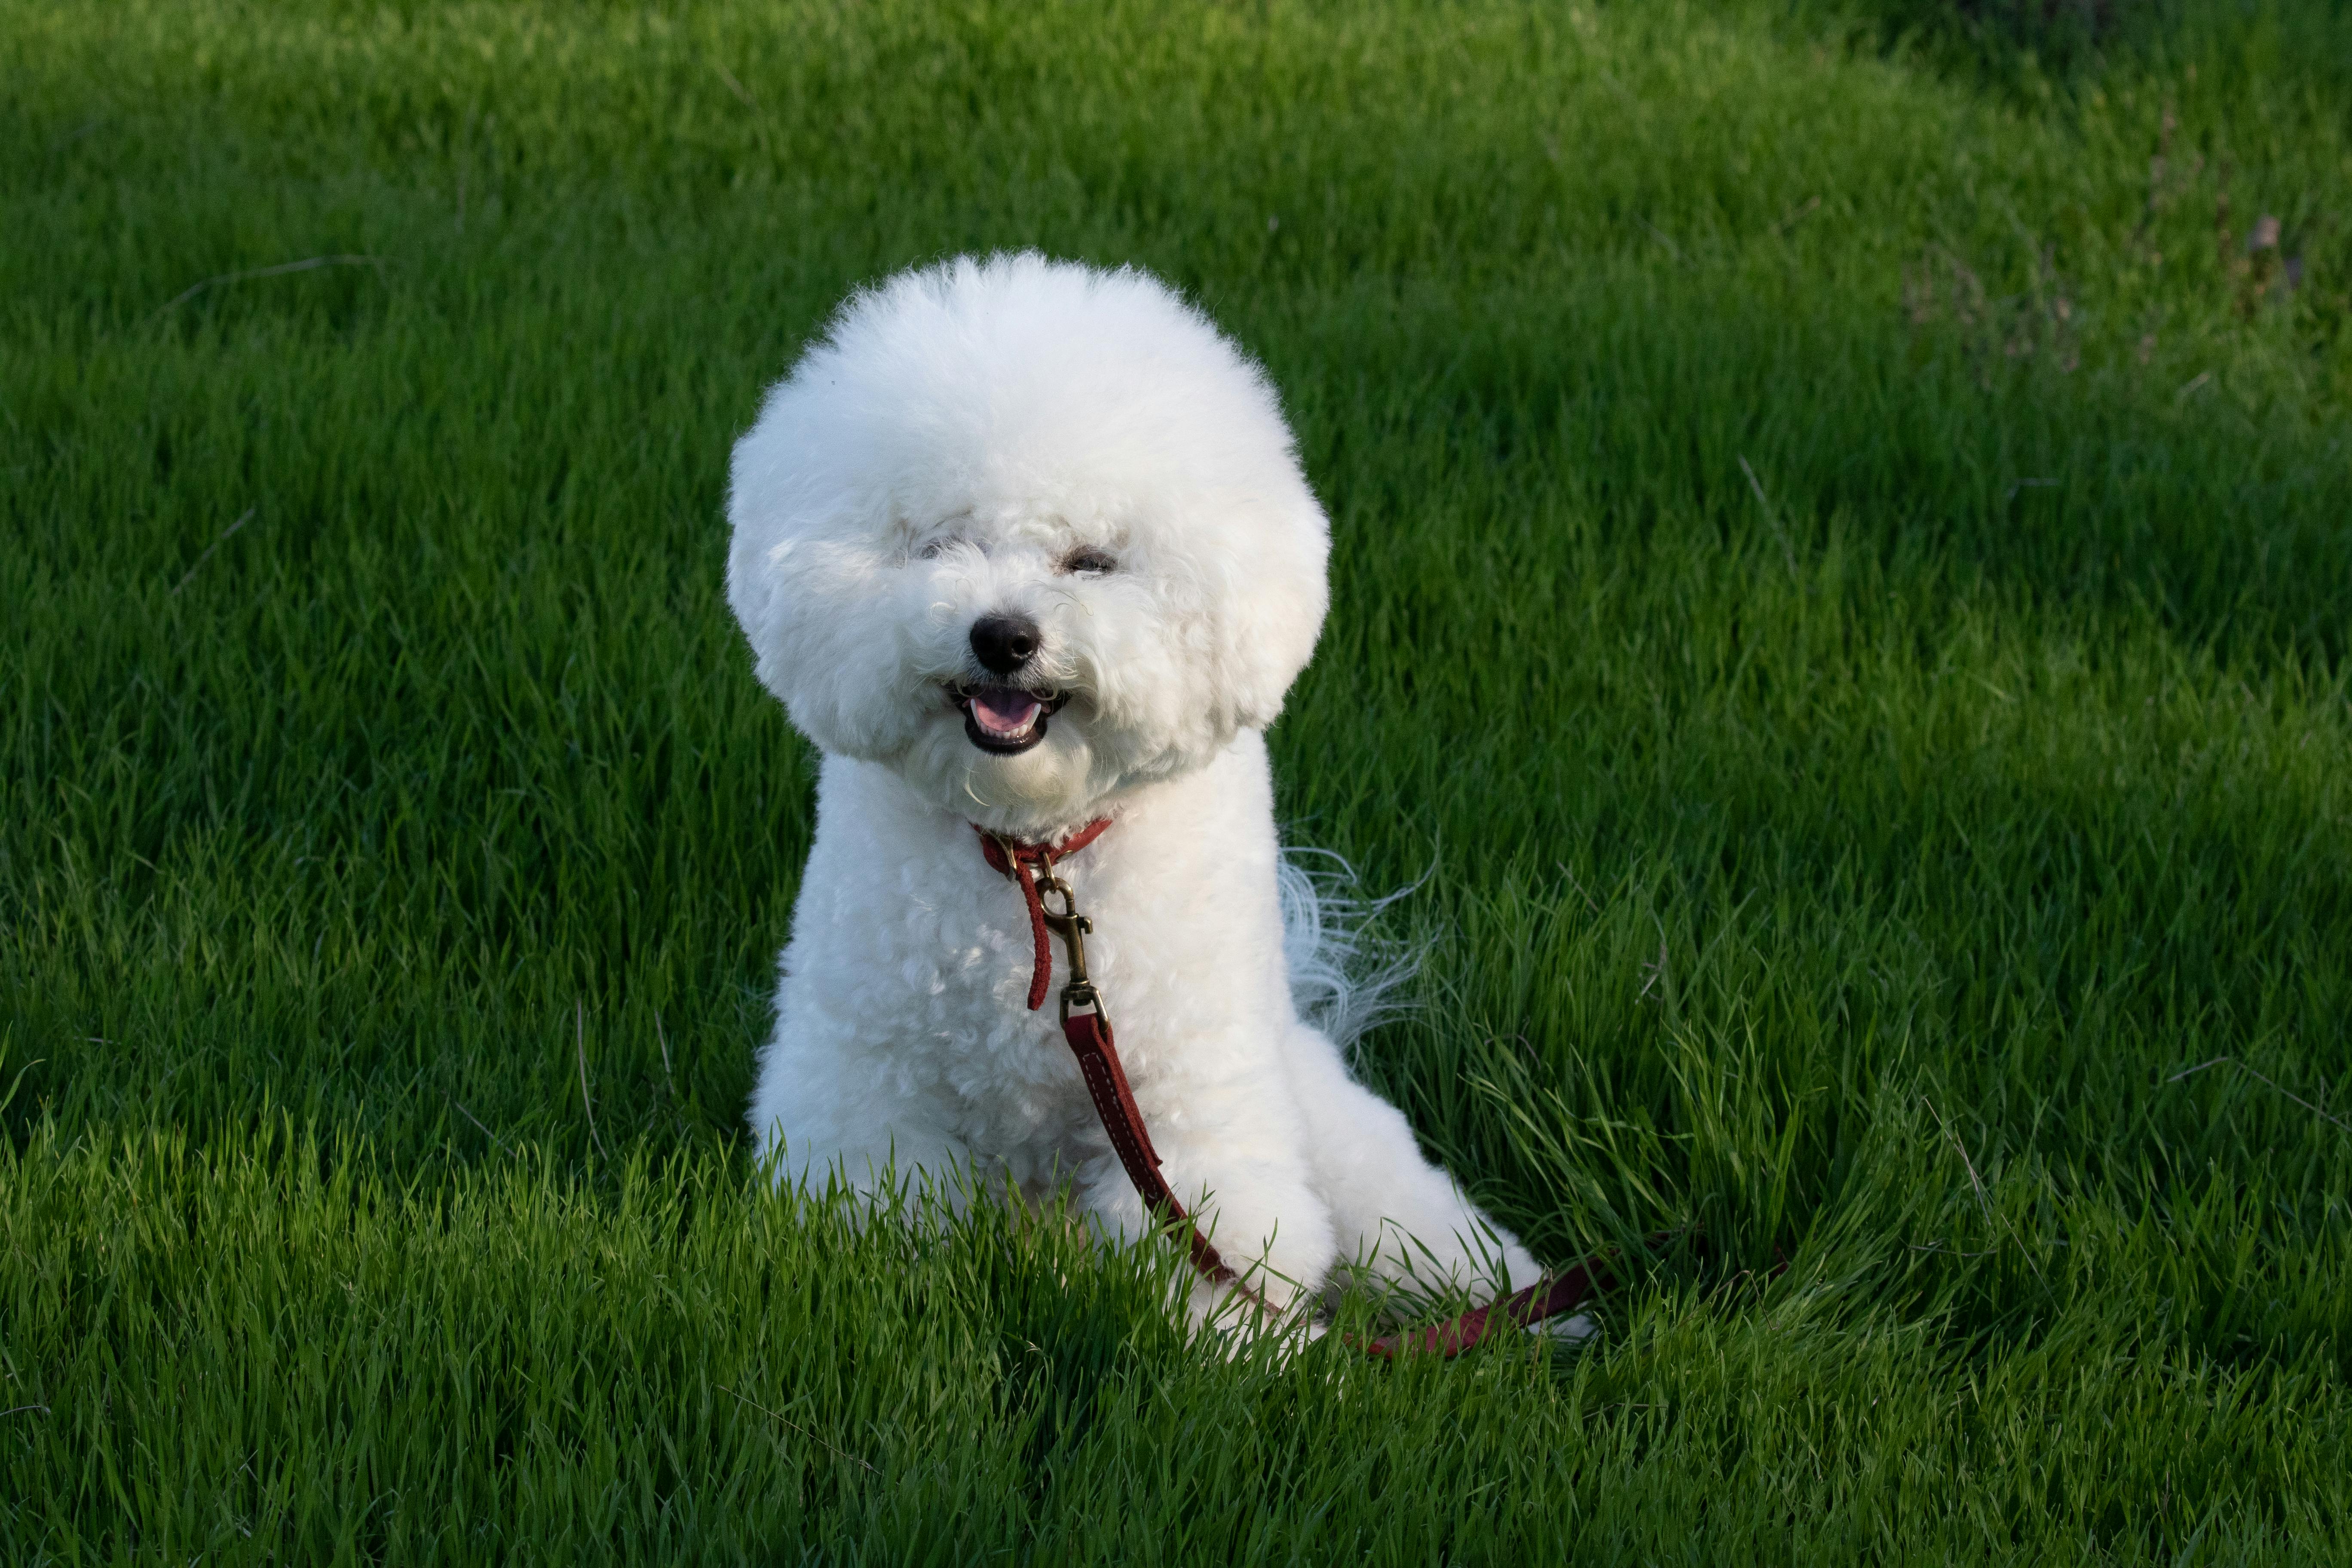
(1843, 584)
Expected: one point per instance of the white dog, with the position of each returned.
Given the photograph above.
(1023, 545)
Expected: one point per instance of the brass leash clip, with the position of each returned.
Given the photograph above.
(1038, 884)
(1072, 928)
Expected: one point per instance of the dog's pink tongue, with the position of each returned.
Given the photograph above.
(1004, 709)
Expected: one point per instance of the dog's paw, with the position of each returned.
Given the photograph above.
(1566, 1332)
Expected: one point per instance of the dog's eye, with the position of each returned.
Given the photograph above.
(1090, 561)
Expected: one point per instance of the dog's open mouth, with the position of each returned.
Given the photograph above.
(1004, 719)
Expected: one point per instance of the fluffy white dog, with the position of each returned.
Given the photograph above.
(1022, 545)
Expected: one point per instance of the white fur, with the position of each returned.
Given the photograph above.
(934, 459)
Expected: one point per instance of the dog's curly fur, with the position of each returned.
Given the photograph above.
(1021, 543)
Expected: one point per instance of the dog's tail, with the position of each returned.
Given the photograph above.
(1343, 979)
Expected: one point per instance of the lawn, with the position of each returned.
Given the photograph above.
(1843, 616)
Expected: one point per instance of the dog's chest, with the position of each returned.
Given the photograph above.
(950, 970)
(915, 958)
(948, 974)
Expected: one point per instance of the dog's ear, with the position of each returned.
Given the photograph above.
(807, 576)
(761, 506)
(1272, 602)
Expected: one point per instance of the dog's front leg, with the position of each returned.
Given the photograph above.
(1397, 1216)
(1233, 1149)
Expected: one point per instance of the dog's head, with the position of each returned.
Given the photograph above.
(1027, 533)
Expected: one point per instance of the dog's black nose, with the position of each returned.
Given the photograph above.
(1004, 643)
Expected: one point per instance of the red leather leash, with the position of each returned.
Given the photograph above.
(1087, 1029)
(1547, 1297)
